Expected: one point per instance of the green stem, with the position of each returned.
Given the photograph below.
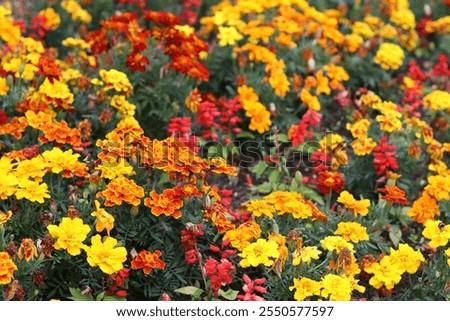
(328, 202)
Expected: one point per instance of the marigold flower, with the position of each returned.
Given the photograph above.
(352, 231)
(404, 18)
(76, 12)
(305, 254)
(384, 273)
(260, 208)
(120, 190)
(437, 100)
(106, 255)
(389, 56)
(4, 217)
(167, 203)
(260, 119)
(437, 233)
(7, 268)
(241, 236)
(336, 243)
(57, 93)
(228, 36)
(4, 88)
(117, 80)
(439, 187)
(32, 191)
(336, 288)
(70, 235)
(424, 208)
(408, 259)
(357, 207)
(260, 252)
(394, 195)
(104, 220)
(330, 180)
(147, 261)
(27, 250)
(305, 288)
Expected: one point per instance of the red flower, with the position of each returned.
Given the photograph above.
(384, 157)
(219, 273)
(48, 68)
(3, 117)
(252, 289)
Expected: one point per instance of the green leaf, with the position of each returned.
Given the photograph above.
(299, 177)
(245, 135)
(230, 294)
(113, 298)
(259, 169)
(395, 235)
(264, 188)
(100, 296)
(78, 296)
(190, 290)
(274, 177)
(294, 186)
(311, 194)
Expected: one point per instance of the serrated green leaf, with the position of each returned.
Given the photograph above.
(230, 294)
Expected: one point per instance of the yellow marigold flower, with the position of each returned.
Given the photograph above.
(241, 236)
(77, 13)
(360, 128)
(439, 187)
(117, 80)
(437, 100)
(370, 99)
(32, 191)
(104, 220)
(363, 29)
(388, 31)
(193, 100)
(352, 232)
(278, 80)
(441, 25)
(123, 105)
(57, 93)
(260, 252)
(336, 243)
(27, 250)
(35, 168)
(353, 42)
(70, 235)
(4, 217)
(228, 36)
(7, 268)
(336, 288)
(8, 185)
(384, 273)
(305, 254)
(52, 19)
(106, 255)
(363, 146)
(75, 43)
(57, 160)
(406, 258)
(390, 121)
(357, 207)
(437, 233)
(404, 18)
(389, 56)
(424, 208)
(260, 119)
(115, 168)
(9, 32)
(322, 84)
(311, 101)
(260, 208)
(4, 88)
(290, 202)
(305, 288)
(186, 29)
(247, 95)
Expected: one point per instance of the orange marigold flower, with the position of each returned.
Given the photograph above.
(147, 261)
(220, 166)
(48, 68)
(193, 100)
(167, 203)
(120, 190)
(424, 208)
(7, 268)
(4, 217)
(328, 181)
(394, 195)
(15, 127)
(219, 217)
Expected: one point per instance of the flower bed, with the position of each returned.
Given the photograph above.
(224, 150)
